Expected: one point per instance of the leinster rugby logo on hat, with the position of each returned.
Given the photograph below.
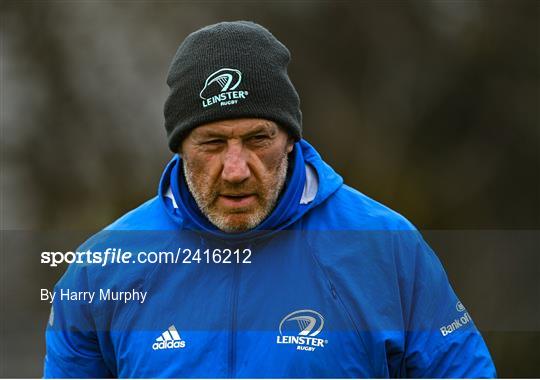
(221, 88)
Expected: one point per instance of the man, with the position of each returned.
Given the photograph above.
(284, 271)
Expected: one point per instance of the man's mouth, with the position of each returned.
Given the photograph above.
(237, 200)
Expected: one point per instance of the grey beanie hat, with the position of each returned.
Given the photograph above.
(230, 70)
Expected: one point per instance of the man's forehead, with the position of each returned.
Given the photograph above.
(236, 127)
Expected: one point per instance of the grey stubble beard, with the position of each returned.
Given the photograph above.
(219, 219)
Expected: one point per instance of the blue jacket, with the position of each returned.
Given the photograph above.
(331, 284)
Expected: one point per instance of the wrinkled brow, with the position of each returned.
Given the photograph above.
(225, 133)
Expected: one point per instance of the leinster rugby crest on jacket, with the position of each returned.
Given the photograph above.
(309, 323)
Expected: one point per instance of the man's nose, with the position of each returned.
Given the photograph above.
(235, 166)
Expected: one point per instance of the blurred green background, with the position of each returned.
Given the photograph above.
(430, 107)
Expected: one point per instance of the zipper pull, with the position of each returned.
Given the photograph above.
(333, 290)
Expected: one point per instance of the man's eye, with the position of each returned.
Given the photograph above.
(259, 138)
(213, 142)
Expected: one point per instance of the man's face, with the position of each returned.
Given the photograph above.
(236, 169)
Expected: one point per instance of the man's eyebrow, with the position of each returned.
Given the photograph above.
(260, 129)
(211, 134)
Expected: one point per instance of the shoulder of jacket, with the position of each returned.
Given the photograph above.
(150, 215)
(349, 209)
(146, 223)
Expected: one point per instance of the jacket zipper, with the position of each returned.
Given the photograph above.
(232, 330)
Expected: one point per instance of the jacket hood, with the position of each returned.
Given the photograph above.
(309, 183)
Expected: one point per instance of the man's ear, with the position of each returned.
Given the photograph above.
(180, 149)
(290, 144)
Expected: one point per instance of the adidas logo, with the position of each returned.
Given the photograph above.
(169, 339)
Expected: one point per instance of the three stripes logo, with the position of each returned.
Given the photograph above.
(169, 339)
(306, 324)
(220, 88)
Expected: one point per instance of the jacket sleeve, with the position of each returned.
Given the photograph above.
(441, 338)
(72, 345)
